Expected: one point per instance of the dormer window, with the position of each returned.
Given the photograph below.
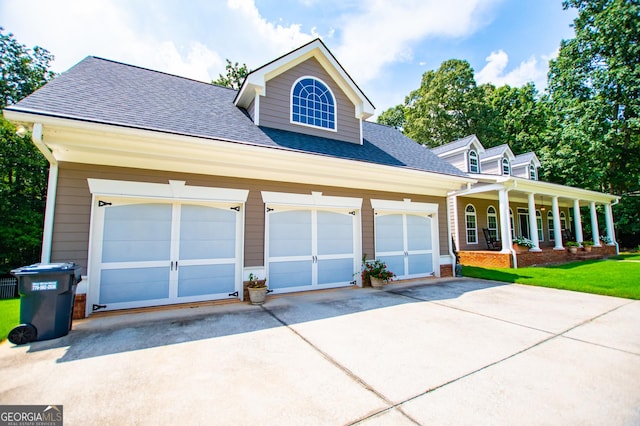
(532, 172)
(473, 162)
(506, 167)
(313, 104)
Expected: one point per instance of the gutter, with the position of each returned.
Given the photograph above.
(52, 189)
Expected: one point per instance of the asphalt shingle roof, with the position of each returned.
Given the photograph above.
(103, 91)
(523, 158)
(453, 145)
(496, 150)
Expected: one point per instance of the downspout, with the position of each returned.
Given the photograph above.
(454, 260)
(52, 188)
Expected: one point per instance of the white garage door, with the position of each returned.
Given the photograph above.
(154, 253)
(309, 248)
(405, 242)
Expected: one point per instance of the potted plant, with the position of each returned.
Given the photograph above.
(257, 289)
(587, 245)
(376, 272)
(572, 246)
(522, 243)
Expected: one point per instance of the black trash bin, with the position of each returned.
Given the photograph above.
(47, 293)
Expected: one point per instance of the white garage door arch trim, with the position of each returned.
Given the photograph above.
(405, 208)
(300, 253)
(178, 196)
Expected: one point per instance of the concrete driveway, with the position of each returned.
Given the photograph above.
(443, 352)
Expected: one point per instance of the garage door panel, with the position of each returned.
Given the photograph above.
(134, 284)
(335, 270)
(137, 232)
(290, 233)
(290, 274)
(420, 263)
(389, 233)
(395, 263)
(199, 280)
(418, 233)
(207, 232)
(335, 233)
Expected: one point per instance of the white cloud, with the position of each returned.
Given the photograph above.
(531, 70)
(398, 26)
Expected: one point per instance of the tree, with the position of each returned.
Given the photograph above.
(393, 117)
(235, 75)
(23, 169)
(594, 86)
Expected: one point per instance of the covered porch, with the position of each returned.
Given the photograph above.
(547, 215)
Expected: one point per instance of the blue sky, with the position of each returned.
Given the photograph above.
(385, 45)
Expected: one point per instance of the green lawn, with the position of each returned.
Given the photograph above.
(9, 316)
(614, 277)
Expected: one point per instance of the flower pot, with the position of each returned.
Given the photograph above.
(377, 282)
(520, 249)
(588, 249)
(257, 295)
(573, 250)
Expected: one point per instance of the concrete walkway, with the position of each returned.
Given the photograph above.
(446, 352)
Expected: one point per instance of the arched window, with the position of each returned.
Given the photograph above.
(472, 224)
(532, 171)
(539, 223)
(473, 162)
(312, 104)
(492, 222)
(513, 224)
(552, 235)
(506, 167)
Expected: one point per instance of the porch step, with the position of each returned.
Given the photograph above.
(589, 256)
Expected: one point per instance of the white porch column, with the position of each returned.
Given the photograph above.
(595, 233)
(577, 221)
(557, 230)
(608, 217)
(533, 224)
(505, 223)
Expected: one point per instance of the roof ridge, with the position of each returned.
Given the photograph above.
(113, 61)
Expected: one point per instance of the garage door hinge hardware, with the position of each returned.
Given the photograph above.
(236, 208)
(103, 203)
(235, 294)
(269, 290)
(353, 282)
(353, 213)
(97, 307)
(269, 209)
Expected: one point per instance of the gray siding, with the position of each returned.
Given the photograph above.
(275, 107)
(493, 167)
(73, 207)
(459, 161)
(252, 110)
(521, 171)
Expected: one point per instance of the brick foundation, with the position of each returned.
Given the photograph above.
(548, 256)
(79, 306)
(446, 270)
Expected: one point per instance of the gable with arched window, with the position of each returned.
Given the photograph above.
(313, 104)
(474, 165)
(471, 221)
(506, 167)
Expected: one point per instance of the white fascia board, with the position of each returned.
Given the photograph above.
(174, 190)
(315, 199)
(111, 145)
(404, 206)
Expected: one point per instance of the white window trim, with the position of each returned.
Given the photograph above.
(494, 214)
(540, 226)
(512, 222)
(313, 199)
(335, 106)
(466, 228)
(550, 226)
(508, 164)
(533, 173)
(477, 157)
(404, 206)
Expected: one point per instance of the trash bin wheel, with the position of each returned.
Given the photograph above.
(24, 333)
